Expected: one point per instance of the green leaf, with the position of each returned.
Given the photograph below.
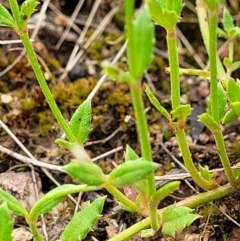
(27, 9)
(85, 172)
(227, 63)
(13, 204)
(236, 170)
(147, 233)
(229, 117)
(130, 172)
(213, 4)
(52, 198)
(169, 5)
(141, 185)
(209, 122)
(181, 113)
(156, 103)
(222, 101)
(236, 107)
(80, 121)
(227, 20)
(65, 144)
(83, 221)
(233, 90)
(209, 176)
(6, 18)
(160, 13)
(6, 224)
(235, 65)
(222, 33)
(175, 219)
(116, 73)
(140, 44)
(234, 32)
(130, 154)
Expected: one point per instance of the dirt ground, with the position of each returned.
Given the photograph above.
(26, 113)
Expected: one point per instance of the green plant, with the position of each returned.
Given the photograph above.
(138, 172)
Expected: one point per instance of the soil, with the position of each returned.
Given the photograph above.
(26, 113)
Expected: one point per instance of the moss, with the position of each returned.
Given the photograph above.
(119, 96)
(96, 49)
(54, 64)
(113, 37)
(28, 104)
(60, 92)
(73, 94)
(46, 121)
(158, 63)
(79, 90)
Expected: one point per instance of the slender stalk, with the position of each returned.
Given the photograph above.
(224, 157)
(35, 232)
(129, 12)
(230, 54)
(175, 96)
(122, 199)
(188, 162)
(143, 135)
(190, 202)
(174, 67)
(141, 122)
(136, 93)
(204, 28)
(230, 49)
(45, 89)
(213, 21)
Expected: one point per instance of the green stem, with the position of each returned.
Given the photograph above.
(175, 96)
(230, 54)
(183, 145)
(37, 236)
(45, 89)
(190, 202)
(143, 136)
(142, 126)
(224, 157)
(174, 67)
(122, 198)
(204, 28)
(230, 49)
(129, 12)
(141, 122)
(213, 21)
